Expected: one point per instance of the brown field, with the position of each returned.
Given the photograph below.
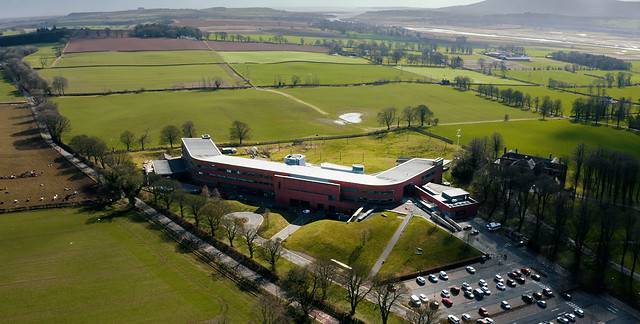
(22, 150)
(133, 45)
(247, 47)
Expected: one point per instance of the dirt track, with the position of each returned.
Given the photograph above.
(22, 150)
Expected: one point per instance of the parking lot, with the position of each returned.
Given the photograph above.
(597, 309)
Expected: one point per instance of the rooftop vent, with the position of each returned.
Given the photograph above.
(295, 159)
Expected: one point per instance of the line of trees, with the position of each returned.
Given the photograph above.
(410, 115)
(598, 109)
(40, 35)
(24, 77)
(166, 31)
(600, 62)
(515, 98)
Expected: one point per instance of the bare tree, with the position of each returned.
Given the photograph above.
(188, 129)
(127, 138)
(59, 84)
(355, 280)
(325, 271)
(301, 286)
(57, 125)
(497, 144)
(424, 114)
(143, 139)
(250, 235)
(387, 116)
(387, 293)
(409, 115)
(169, 135)
(196, 204)
(271, 251)
(232, 226)
(218, 83)
(239, 131)
(269, 310)
(44, 61)
(425, 315)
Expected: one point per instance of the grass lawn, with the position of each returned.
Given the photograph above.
(635, 66)
(344, 242)
(439, 248)
(270, 116)
(62, 265)
(379, 152)
(105, 79)
(322, 73)
(139, 58)
(557, 137)
(283, 56)
(273, 224)
(8, 92)
(449, 105)
(542, 77)
(543, 63)
(635, 77)
(44, 50)
(627, 92)
(438, 74)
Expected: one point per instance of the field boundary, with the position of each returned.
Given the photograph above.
(47, 206)
(128, 65)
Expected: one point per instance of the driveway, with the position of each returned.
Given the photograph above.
(253, 220)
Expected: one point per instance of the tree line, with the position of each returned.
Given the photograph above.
(545, 106)
(166, 31)
(39, 36)
(600, 62)
(597, 109)
(409, 115)
(593, 217)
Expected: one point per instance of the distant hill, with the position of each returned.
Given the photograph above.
(574, 8)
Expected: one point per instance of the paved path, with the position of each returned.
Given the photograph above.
(387, 250)
(253, 220)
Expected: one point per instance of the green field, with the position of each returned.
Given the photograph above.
(438, 248)
(66, 265)
(139, 58)
(543, 63)
(8, 92)
(557, 137)
(271, 116)
(377, 153)
(448, 104)
(635, 77)
(280, 56)
(567, 98)
(322, 73)
(627, 92)
(46, 50)
(542, 77)
(438, 74)
(106, 79)
(338, 240)
(635, 66)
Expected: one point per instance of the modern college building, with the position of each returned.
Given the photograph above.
(328, 187)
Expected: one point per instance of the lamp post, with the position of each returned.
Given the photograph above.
(458, 135)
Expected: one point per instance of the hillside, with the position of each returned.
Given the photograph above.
(574, 8)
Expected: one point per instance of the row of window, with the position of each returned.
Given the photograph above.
(368, 192)
(214, 175)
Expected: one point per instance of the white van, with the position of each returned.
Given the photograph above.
(415, 301)
(494, 226)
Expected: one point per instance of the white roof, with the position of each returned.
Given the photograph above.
(398, 174)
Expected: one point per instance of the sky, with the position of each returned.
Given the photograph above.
(34, 8)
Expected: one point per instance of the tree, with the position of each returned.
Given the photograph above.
(425, 315)
(269, 310)
(123, 180)
(143, 139)
(188, 129)
(214, 212)
(387, 293)
(424, 114)
(57, 125)
(271, 251)
(169, 135)
(301, 285)
(409, 115)
(239, 131)
(180, 196)
(387, 116)
(232, 226)
(127, 138)
(546, 108)
(250, 235)
(166, 189)
(295, 80)
(59, 84)
(355, 280)
(325, 272)
(497, 144)
(44, 61)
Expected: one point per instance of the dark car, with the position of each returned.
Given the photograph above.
(535, 277)
(454, 290)
(527, 299)
(511, 283)
(537, 295)
(525, 271)
(512, 275)
(483, 312)
(567, 296)
(447, 302)
(520, 280)
(547, 292)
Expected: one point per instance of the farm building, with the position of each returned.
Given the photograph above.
(295, 183)
(450, 202)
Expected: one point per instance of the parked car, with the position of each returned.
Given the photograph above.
(525, 271)
(579, 312)
(535, 277)
(434, 304)
(527, 299)
(478, 293)
(486, 291)
(423, 298)
(562, 320)
(432, 278)
(445, 293)
(415, 301)
(493, 226)
(471, 270)
(467, 227)
(421, 281)
(537, 295)
(511, 283)
(453, 319)
(447, 302)
(501, 286)
(444, 276)
(466, 317)
(466, 286)
(469, 294)
(520, 280)
(482, 283)
(474, 232)
(498, 278)
(483, 312)
(570, 317)
(567, 296)
(547, 292)
(505, 305)
(454, 290)
(542, 303)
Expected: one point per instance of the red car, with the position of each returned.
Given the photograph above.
(526, 271)
(447, 302)
(483, 312)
